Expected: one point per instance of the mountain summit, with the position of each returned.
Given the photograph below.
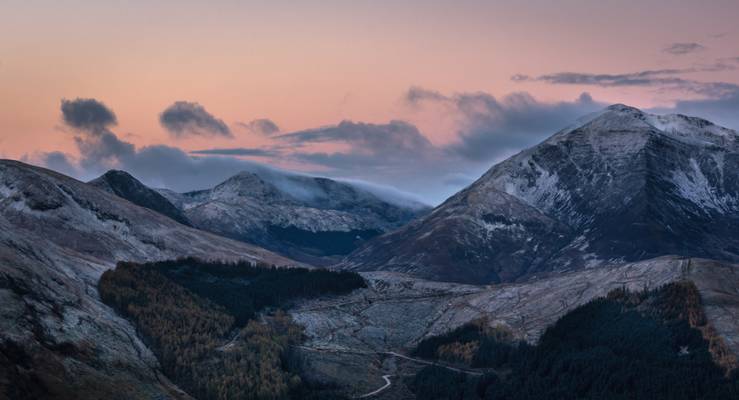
(122, 184)
(623, 185)
(312, 219)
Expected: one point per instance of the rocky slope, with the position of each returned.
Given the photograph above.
(122, 184)
(303, 217)
(57, 236)
(377, 326)
(623, 185)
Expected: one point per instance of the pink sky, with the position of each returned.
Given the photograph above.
(312, 64)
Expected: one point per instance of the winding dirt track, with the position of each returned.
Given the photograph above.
(388, 383)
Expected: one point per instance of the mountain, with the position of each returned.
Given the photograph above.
(122, 184)
(57, 236)
(306, 218)
(623, 185)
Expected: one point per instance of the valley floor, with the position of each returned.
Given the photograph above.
(361, 339)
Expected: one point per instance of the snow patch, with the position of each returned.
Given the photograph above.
(694, 186)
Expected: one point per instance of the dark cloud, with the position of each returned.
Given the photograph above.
(91, 119)
(104, 149)
(237, 151)
(683, 48)
(87, 115)
(262, 126)
(191, 119)
(491, 128)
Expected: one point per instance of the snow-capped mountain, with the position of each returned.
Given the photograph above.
(57, 236)
(122, 184)
(303, 217)
(623, 185)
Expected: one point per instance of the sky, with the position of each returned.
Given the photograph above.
(421, 96)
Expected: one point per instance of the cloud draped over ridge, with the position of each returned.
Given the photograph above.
(262, 126)
(394, 153)
(490, 128)
(184, 118)
(680, 49)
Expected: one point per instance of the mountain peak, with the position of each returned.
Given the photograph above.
(619, 107)
(123, 184)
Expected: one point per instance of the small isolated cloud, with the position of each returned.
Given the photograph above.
(680, 49)
(237, 151)
(87, 115)
(262, 126)
(184, 118)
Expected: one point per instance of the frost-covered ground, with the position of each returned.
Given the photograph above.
(351, 337)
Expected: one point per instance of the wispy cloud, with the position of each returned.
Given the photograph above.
(662, 79)
(680, 49)
(191, 119)
(237, 151)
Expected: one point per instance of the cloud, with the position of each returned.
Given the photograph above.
(370, 145)
(59, 162)
(262, 126)
(237, 151)
(170, 167)
(184, 118)
(722, 111)
(90, 119)
(663, 79)
(87, 115)
(491, 128)
(680, 49)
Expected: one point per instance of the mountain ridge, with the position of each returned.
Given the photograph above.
(57, 236)
(627, 185)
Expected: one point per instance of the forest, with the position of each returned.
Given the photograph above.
(200, 320)
(628, 345)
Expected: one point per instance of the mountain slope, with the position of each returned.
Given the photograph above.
(122, 184)
(351, 338)
(625, 185)
(57, 236)
(303, 217)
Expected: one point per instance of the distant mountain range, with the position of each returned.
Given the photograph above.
(621, 200)
(621, 185)
(306, 218)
